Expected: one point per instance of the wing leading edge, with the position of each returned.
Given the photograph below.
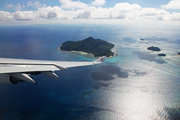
(13, 71)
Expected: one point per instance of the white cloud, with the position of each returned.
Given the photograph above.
(9, 6)
(51, 15)
(126, 7)
(68, 4)
(119, 11)
(34, 4)
(92, 13)
(43, 12)
(153, 14)
(173, 4)
(18, 6)
(51, 12)
(25, 15)
(175, 16)
(124, 11)
(5, 16)
(99, 13)
(98, 2)
(84, 15)
(55, 12)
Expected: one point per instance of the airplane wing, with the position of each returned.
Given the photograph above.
(13, 71)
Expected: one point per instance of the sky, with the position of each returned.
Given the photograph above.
(87, 11)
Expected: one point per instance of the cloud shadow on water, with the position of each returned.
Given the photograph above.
(139, 73)
(106, 73)
(129, 40)
(149, 57)
(109, 72)
(153, 38)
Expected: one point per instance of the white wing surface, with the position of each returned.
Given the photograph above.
(13, 71)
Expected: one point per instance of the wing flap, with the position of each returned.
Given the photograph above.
(73, 64)
(51, 74)
(22, 76)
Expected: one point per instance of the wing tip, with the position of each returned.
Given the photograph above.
(99, 60)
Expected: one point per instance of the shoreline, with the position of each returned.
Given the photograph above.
(79, 53)
(85, 53)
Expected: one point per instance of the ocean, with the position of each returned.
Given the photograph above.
(135, 84)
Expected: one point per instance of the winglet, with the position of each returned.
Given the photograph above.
(99, 60)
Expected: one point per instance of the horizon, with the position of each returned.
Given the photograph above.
(91, 12)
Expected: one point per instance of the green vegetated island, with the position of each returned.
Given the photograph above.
(97, 47)
(157, 50)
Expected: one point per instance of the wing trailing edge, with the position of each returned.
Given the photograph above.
(13, 71)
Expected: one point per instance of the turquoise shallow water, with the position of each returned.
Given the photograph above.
(134, 85)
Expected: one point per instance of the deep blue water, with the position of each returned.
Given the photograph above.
(136, 84)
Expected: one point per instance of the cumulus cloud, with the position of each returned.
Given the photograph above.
(51, 15)
(55, 12)
(43, 12)
(6, 16)
(25, 15)
(98, 2)
(93, 13)
(175, 16)
(46, 12)
(119, 11)
(158, 14)
(124, 10)
(153, 14)
(173, 4)
(69, 4)
(84, 15)
(126, 7)
(71, 10)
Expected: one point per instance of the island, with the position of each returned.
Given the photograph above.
(97, 47)
(162, 54)
(153, 48)
(179, 53)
